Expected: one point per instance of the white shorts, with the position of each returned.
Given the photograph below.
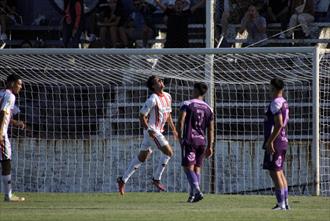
(5, 150)
(148, 142)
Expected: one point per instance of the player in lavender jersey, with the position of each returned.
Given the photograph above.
(194, 118)
(7, 110)
(276, 142)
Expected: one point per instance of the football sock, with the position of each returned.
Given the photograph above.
(133, 166)
(161, 167)
(286, 195)
(7, 185)
(193, 181)
(198, 175)
(280, 197)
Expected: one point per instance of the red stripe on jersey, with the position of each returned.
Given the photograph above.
(167, 101)
(157, 114)
(157, 143)
(162, 101)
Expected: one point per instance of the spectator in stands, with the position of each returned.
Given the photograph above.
(254, 24)
(111, 17)
(8, 16)
(234, 12)
(278, 11)
(72, 22)
(139, 26)
(177, 22)
(322, 11)
(302, 13)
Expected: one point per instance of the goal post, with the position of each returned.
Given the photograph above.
(81, 108)
(316, 120)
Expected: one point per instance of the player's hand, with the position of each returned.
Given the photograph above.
(152, 134)
(208, 152)
(270, 147)
(20, 124)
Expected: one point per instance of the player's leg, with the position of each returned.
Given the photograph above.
(200, 155)
(285, 183)
(279, 189)
(135, 163)
(187, 167)
(286, 190)
(276, 173)
(274, 163)
(6, 178)
(5, 159)
(167, 150)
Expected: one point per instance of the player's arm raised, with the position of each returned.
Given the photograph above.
(210, 139)
(278, 120)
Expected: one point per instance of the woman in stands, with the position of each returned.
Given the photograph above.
(72, 22)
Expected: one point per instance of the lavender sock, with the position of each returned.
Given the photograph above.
(193, 181)
(286, 193)
(198, 175)
(190, 181)
(279, 196)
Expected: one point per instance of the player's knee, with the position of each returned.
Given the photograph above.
(144, 154)
(6, 167)
(170, 153)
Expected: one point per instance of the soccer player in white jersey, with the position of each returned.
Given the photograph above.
(7, 108)
(154, 114)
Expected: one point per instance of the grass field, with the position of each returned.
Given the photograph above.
(159, 206)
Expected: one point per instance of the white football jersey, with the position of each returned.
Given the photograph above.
(158, 108)
(7, 104)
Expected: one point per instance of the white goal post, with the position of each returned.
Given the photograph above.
(81, 108)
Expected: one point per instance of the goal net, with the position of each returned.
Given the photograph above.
(81, 109)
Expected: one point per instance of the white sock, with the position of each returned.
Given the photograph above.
(7, 185)
(161, 167)
(133, 166)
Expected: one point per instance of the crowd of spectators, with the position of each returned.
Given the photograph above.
(254, 15)
(123, 23)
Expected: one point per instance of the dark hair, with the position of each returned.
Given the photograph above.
(201, 87)
(151, 82)
(12, 78)
(277, 83)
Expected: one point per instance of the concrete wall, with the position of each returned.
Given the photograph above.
(93, 165)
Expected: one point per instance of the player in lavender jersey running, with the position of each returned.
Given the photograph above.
(7, 110)
(195, 117)
(276, 142)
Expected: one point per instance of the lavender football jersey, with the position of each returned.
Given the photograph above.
(278, 106)
(198, 118)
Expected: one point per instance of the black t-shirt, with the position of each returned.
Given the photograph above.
(278, 5)
(177, 28)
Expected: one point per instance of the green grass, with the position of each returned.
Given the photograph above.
(159, 206)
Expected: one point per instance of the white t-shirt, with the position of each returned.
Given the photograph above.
(158, 107)
(7, 104)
